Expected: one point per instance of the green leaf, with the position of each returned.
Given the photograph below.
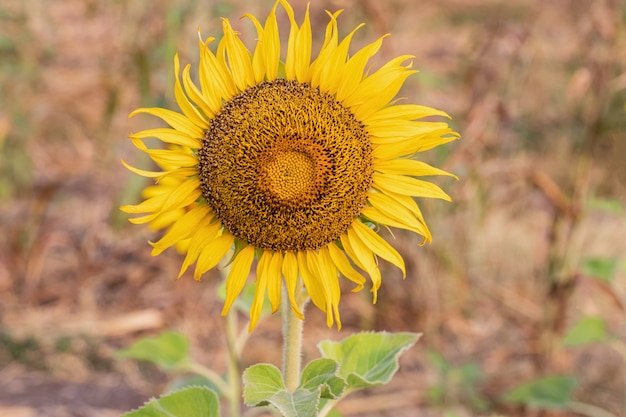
(587, 330)
(170, 350)
(261, 382)
(333, 388)
(188, 402)
(321, 373)
(300, 403)
(263, 385)
(547, 392)
(368, 359)
(600, 268)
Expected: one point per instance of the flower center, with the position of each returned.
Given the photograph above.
(285, 166)
(289, 175)
(293, 174)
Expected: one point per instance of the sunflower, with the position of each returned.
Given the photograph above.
(295, 164)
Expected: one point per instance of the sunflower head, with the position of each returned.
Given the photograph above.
(295, 171)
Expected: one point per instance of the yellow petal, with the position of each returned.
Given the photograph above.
(311, 283)
(175, 120)
(329, 275)
(261, 288)
(174, 159)
(150, 205)
(396, 216)
(333, 70)
(213, 253)
(375, 215)
(238, 57)
(196, 95)
(215, 78)
(274, 280)
(398, 130)
(377, 90)
(143, 173)
(404, 185)
(198, 243)
(409, 146)
(354, 69)
(258, 60)
(185, 194)
(324, 57)
(166, 219)
(407, 202)
(292, 50)
(183, 102)
(321, 278)
(180, 174)
(343, 265)
(266, 56)
(303, 44)
(168, 135)
(166, 197)
(364, 258)
(378, 245)
(404, 112)
(165, 186)
(184, 227)
(237, 276)
(290, 272)
(297, 62)
(412, 167)
(145, 219)
(271, 46)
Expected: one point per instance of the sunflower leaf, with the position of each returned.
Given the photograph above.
(188, 402)
(263, 386)
(368, 359)
(170, 350)
(299, 403)
(261, 382)
(322, 374)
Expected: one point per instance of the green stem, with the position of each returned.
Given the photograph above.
(330, 404)
(241, 340)
(234, 372)
(211, 375)
(292, 340)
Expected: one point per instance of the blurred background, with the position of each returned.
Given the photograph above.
(525, 279)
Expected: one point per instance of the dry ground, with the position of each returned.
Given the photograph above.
(537, 90)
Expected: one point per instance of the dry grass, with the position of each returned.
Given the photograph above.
(537, 90)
